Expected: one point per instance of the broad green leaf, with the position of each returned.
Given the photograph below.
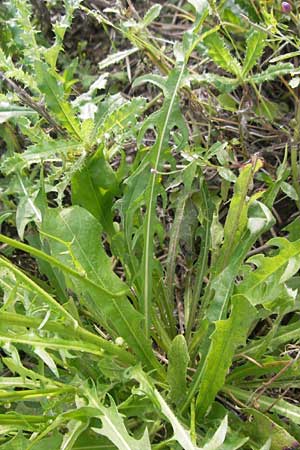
(256, 43)
(272, 72)
(220, 289)
(114, 429)
(27, 212)
(220, 54)
(178, 358)
(228, 102)
(261, 286)
(56, 103)
(228, 335)
(76, 241)
(93, 188)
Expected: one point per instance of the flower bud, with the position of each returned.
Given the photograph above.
(286, 7)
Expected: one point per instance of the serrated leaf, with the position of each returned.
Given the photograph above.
(54, 95)
(223, 84)
(220, 54)
(256, 43)
(272, 72)
(114, 429)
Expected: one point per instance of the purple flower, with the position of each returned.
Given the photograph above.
(286, 7)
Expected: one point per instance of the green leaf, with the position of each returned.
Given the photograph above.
(181, 435)
(228, 102)
(93, 188)
(272, 72)
(9, 111)
(256, 43)
(115, 58)
(75, 428)
(261, 428)
(151, 14)
(178, 358)
(219, 53)
(236, 220)
(168, 117)
(289, 190)
(114, 429)
(223, 84)
(54, 95)
(74, 238)
(261, 286)
(280, 407)
(228, 335)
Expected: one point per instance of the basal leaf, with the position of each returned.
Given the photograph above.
(228, 335)
(163, 121)
(74, 237)
(181, 434)
(236, 220)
